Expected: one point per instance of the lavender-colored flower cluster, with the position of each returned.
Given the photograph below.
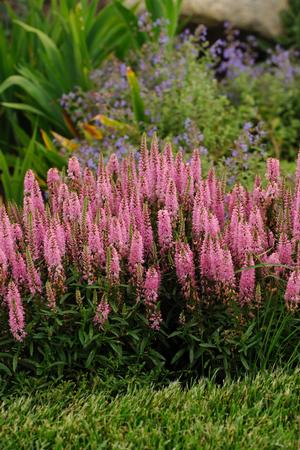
(74, 103)
(134, 223)
(233, 56)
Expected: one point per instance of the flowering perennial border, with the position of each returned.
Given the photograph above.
(132, 223)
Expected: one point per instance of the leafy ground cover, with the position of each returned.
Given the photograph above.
(260, 413)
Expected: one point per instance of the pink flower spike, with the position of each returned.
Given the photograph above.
(184, 263)
(285, 250)
(144, 156)
(19, 268)
(29, 182)
(114, 266)
(102, 313)
(274, 264)
(292, 293)
(136, 251)
(3, 269)
(228, 276)
(52, 251)
(164, 229)
(113, 165)
(197, 220)
(74, 171)
(206, 258)
(33, 278)
(196, 166)
(7, 236)
(155, 320)
(53, 178)
(147, 232)
(16, 312)
(296, 227)
(211, 225)
(50, 294)
(247, 282)
(273, 169)
(171, 200)
(151, 286)
(17, 231)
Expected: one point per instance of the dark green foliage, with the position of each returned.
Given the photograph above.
(67, 340)
(230, 343)
(291, 25)
(215, 340)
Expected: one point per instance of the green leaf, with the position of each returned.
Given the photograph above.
(155, 8)
(81, 337)
(116, 348)
(191, 355)
(23, 107)
(90, 358)
(15, 362)
(244, 362)
(37, 92)
(131, 23)
(5, 369)
(205, 345)
(5, 177)
(49, 45)
(142, 345)
(137, 102)
(178, 355)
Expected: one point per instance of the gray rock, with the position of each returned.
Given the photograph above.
(253, 15)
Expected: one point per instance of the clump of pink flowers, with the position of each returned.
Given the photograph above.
(135, 223)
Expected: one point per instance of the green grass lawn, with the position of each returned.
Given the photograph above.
(262, 413)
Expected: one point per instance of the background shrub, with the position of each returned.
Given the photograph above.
(219, 97)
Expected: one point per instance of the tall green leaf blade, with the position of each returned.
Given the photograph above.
(23, 107)
(5, 176)
(137, 101)
(131, 24)
(36, 92)
(49, 45)
(155, 8)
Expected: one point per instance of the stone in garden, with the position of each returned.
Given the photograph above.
(262, 16)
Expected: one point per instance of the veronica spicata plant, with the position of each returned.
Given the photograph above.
(138, 248)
